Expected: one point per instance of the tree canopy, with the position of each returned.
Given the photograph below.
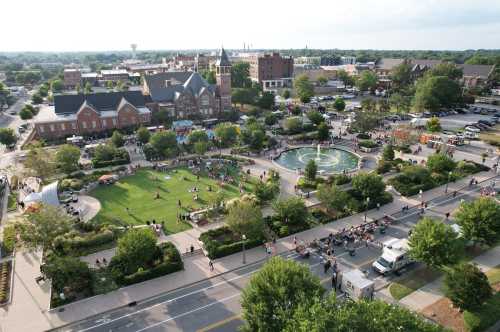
(367, 81)
(165, 143)
(136, 249)
(292, 210)
(479, 220)
(117, 139)
(240, 75)
(311, 170)
(67, 157)
(245, 218)
(368, 185)
(227, 133)
(435, 92)
(304, 88)
(143, 135)
(7, 136)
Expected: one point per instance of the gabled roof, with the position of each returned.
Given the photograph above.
(223, 59)
(189, 82)
(481, 71)
(70, 104)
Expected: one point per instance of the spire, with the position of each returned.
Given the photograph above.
(223, 59)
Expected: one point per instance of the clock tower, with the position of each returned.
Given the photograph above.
(223, 77)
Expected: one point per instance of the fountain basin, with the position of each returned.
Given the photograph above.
(328, 160)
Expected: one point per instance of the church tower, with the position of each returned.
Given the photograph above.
(223, 76)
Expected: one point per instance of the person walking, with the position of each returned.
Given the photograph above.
(211, 265)
(327, 266)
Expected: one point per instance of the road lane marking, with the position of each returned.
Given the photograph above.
(167, 301)
(189, 312)
(219, 323)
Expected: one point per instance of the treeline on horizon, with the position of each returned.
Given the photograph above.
(7, 59)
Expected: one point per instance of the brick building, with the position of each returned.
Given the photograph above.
(271, 70)
(72, 77)
(87, 114)
(187, 95)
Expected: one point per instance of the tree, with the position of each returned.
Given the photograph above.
(227, 133)
(434, 243)
(286, 94)
(257, 138)
(200, 148)
(467, 286)
(7, 136)
(143, 135)
(433, 125)
(401, 76)
(67, 157)
(37, 99)
(57, 86)
(304, 88)
(447, 69)
(136, 249)
(210, 77)
(270, 119)
(345, 78)
(25, 114)
(367, 81)
(441, 163)
(5, 97)
(435, 92)
(87, 88)
(479, 220)
(323, 132)
(110, 85)
(293, 125)
(165, 143)
(365, 121)
(388, 153)
(40, 162)
(198, 136)
(291, 210)
(275, 291)
(339, 104)
(245, 218)
(322, 80)
(67, 272)
(368, 185)
(78, 89)
(240, 75)
(330, 315)
(40, 228)
(315, 117)
(333, 198)
(117, 139)
(400, 101)
(244, 96)
(311, 170)
(266, 101)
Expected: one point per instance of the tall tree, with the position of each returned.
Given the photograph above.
(367, 81)
(315, 117)
(165, 143)
(40, 162)
(400, 102)
(240, 75)
(479, 220)
(323, 132)
(7, 136)
(143, 135)
(56, 86)
(447, 69)
(304, 88)
(311, 170)
(345, 78)
(67, 157)
(401, 76)
(339, 104)
(275, 291)
(434, 243)
(292, 210)
(227, 133)
(368, 185)
(467, 286)
(67, 272)
(435, 92)
(117, 139)
(333, 198)
(40, 228)
(245, 218)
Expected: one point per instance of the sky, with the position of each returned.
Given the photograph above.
(106, 25)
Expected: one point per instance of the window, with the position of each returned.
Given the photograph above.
(52, 128)
(84, 125)
(63, 127)
(73, 125)
(104, 123)
(94, 124)
(205, 101)
(42, 129)
(114, 122)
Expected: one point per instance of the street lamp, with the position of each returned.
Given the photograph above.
(244, 238)
(420, 192)
(366, 209)
(446, 188)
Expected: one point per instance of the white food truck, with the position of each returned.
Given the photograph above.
(394, 256)
(355, 285)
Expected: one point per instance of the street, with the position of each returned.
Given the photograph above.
(214, 304)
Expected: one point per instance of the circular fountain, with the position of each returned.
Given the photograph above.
(328, 160)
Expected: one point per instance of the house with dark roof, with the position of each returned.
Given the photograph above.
(476, 75)
(187, 95)
(88, 114)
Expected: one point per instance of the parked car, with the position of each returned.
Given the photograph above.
(427, 114)
(485, 122)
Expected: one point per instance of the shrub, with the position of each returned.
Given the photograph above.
(9, 238)
(369, 144)
(71, 184)
(155, 272)
(80, 244)
(222, 242)
(363, 136)
(383, 166)
(339, 179)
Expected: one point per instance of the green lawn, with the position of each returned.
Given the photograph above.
(12, 201)
(138, 193)
(485, 316)
(412, 281)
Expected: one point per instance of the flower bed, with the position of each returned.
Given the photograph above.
(5, 278)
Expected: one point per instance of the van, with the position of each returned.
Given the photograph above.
(394, 256)
(472, 129)
(356, 285)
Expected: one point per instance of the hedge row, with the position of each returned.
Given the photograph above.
(155, 272)
(218, 249)
(107, 163)
(80, 244)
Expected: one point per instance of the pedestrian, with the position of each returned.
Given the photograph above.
(104, 261)
(211, 265)
(327, 266)
(295, 241)
(334, 280)
(179, 203)
(447, 215)
(454, 194)
(378, 206)
(191, 249)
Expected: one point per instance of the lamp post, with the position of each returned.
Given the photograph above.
(244, 238)
(420, 195)
(366, 208)
(446, 188)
